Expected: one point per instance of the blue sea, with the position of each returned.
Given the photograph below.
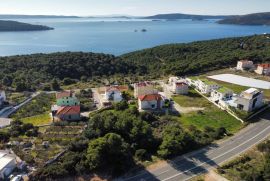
(114, 36)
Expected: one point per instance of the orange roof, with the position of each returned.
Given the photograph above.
(60, 95)
(117, 88)
(265, 65)
(69, 110)
(150, 97)
(143, 84)
(180, 84)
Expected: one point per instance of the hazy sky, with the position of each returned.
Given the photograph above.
(132, 7)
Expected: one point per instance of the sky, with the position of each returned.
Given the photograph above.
(132, 7)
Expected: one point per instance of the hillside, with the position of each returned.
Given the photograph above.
(198, 57)
(250, 19)
(176, 16)
(31, 71)
(18, 26)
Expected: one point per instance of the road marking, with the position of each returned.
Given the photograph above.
(228, 141)
(221, 154)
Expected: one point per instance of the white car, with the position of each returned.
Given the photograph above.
(17, 178)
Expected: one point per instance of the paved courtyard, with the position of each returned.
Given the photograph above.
(240, 80)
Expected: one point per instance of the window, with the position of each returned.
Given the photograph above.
(69, 117)
(254, 103)
(240, 106)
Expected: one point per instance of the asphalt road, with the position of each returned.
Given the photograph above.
(198, 162)
(11, 110)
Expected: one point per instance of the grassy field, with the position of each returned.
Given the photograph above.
(211, 116)
(15, 98)
(38, 120)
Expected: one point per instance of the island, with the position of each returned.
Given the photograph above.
(250, 19)
(19, 26)
(176, 16)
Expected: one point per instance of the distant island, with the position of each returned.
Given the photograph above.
(19, 26)
(15, 16)
(250, 19)
(176, 16)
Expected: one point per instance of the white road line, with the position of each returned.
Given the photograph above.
(223, 154)
(226, 142)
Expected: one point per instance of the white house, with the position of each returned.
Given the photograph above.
(244, 64)
(205, 86)
(178, 86)
(2, 97)
(144, 88)
(221, 94)
(151, 102)
(7, 164)
(250, 100)
(113, 94)
(263, 69)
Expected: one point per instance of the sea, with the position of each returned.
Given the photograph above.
(115, 36)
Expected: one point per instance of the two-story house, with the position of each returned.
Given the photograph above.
(250, 100)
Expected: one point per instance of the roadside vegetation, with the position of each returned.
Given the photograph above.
(39, 105)
(254, 165)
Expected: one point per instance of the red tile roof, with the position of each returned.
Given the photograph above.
(150, 97)
(117, 88)
(264, 65)
(180, 84)
(68, 110)
(60, 95)
(143, 84)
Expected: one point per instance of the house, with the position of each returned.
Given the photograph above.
(7, 164)
(66, 98)
(178, 86)
(144, 88)
(244, 65)
(263, 69)
(249, 100)
(68, 113)
(2, 97)
(221, 94)
(113, 94)
(150, 102)
(206, 86)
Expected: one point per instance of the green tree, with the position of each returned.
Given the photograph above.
(7, 80)
(109, 152)
(175, 141)
(55, 85)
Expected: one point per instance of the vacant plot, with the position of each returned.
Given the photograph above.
(240, 80)
(192, 99)
(211, 116)
(38, 120)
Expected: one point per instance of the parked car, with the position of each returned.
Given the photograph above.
(17, 178)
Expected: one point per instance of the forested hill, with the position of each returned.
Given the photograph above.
(197, 57)
(250, 19)
(18, 26)
(31, 71)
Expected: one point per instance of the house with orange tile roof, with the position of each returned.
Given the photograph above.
(66, 98)
(150, 102)
(113, 94)
(178, 86)
(263, 69)
(68, 113)
(244, 64)
(144, 88)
